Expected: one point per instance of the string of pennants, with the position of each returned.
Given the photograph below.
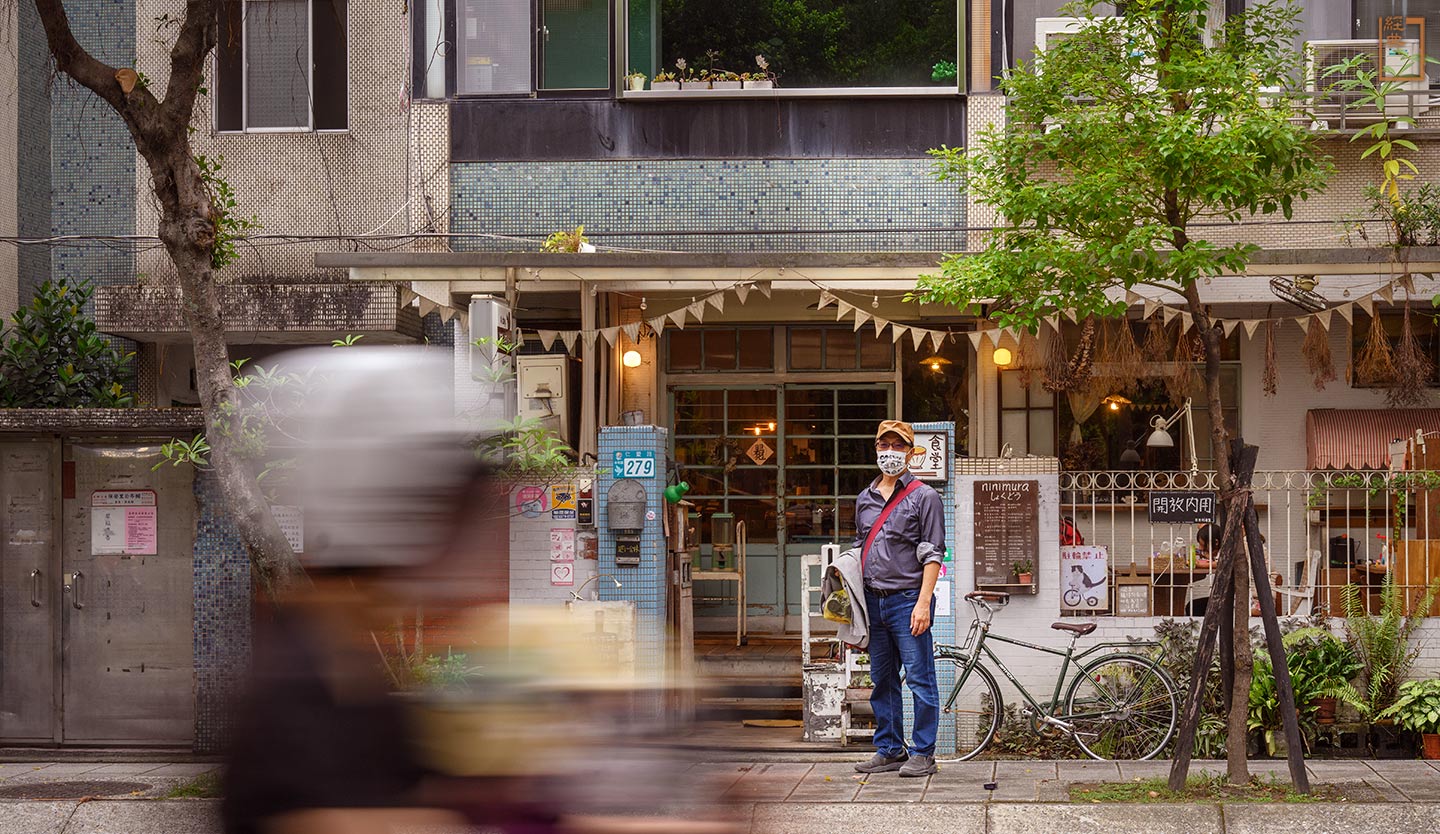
(1151, 306)
(677, 318)
(426, 307)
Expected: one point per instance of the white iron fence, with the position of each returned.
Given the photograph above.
(1323, 530)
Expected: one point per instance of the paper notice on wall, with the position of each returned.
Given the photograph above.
(562, 544)
(562, 573)
(292, 523)
(943, 592)
(123, 531)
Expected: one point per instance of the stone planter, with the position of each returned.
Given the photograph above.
(856, 694)
(724, 85)
(658, 86)
(760, 84)
(694, 85)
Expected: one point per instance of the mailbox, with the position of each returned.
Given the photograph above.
(625, 511)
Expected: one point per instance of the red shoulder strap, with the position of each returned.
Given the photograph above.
(880, 521)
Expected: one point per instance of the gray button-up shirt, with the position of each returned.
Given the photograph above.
(913, 535)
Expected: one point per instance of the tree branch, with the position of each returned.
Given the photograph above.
(72, 59)
(197, 37)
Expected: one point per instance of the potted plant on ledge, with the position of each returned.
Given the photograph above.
(635, 81)
(762, 80)
(1418, 710)
(724, 80)
(1024, 572)
(664, 80)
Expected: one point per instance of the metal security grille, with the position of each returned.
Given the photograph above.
(277, 64)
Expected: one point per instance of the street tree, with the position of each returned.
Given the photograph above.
(1124, 143)
(199, 224)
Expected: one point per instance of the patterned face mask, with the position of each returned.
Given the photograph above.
(891, 462)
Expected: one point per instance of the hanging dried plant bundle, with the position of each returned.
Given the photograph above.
(1074, 373)
(1413, 369)
(1271, 377)
(1124, 363)
(1183, 378)
(1376, 363)
(1317, 354)
(1029, 357)
(1156, 347)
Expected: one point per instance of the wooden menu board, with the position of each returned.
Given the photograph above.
(1007, 529)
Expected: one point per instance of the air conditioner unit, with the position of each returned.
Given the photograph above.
(1050, 30)
(542, 391)
(491, 324)
(1400, 57)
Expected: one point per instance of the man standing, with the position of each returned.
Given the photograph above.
(900, 528)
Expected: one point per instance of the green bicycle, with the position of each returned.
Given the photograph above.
(1120, 705)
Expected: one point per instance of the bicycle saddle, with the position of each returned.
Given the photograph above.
(1080, 629)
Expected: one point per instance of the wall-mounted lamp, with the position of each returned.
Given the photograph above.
(935, 363)
(1003, 357)
(631, 358)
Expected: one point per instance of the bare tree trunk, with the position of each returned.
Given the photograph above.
(161, 132)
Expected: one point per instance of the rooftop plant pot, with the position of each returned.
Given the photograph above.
(665, 85)
(1430, 746)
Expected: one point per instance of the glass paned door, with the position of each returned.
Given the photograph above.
(575, 44)
(787, 461)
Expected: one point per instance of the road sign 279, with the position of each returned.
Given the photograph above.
(635, 463)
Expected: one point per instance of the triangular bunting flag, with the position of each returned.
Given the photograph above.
(697, 310)
(464, 319)
(1387, 292)
(657, 324)
(826, 299)
(426, 307)
(937, 338)
(1408, 282)
(742, 292)
(1347, 312)
(407, 295)
(764, 288)
(1367, 304)
(610, 334)
(568, 337)
(1303, 322)
(880, 326)
(1169, 314)
(975, 336)
(1054, 322)
(588, 337)
(917, 335)
(1324, 319)
(447, 313)
(678, 317)
(1251, 325)
(1072, 316)
(1132, 298)
(547, 338)
(1186, 322)
(631, 331)
(897, 332)
(1151, 305)
(716, 300)
(860, 318)
(842, 310)
(1229, 327)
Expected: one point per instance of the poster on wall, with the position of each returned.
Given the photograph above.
(292, 523)
(562, 573)
(531, 501)
(562, 501)
(1084, 578)
(123, 522)
(562, 544)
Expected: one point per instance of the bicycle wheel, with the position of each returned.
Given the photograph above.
(1072, 597)
(977, 711)
(1122, 707)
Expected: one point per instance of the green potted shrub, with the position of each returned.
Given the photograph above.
(1023, 572)
(1321, 664)
(635, 81)
(1417, 709)
(724, 80)
(1381, 643)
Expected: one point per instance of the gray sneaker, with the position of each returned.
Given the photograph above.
(881, 763)
(919, 766)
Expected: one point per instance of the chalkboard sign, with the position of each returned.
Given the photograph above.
(1007, 529)
(1182, 507)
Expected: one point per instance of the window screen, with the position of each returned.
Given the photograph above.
(277, 64)
(494, 46)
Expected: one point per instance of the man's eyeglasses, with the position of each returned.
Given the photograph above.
(882, 446)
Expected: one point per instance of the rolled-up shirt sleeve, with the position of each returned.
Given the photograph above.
(931, 518)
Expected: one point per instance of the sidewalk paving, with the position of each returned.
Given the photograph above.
(823, 797)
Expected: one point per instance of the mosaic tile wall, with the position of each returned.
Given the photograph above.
(778, 205)
(33, 148)
(943, 626)
(643, 585)
(93, 173)
(222, 615)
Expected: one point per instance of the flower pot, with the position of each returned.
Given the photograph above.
(760, 84)
(1430, 746)
(659, 86)
(1325, 710)
(694, 85)
(724, 85)
(858, 693)
(1026, 578)
(636, 83)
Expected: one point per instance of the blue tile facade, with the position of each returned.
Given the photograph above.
(943, 627)
(222, 614)
(646, 584)
(33, 165)
(732, 205)
(92, 178)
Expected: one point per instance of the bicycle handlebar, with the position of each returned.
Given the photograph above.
(1001, 597)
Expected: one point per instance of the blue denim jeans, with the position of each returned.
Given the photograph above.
(891, 647)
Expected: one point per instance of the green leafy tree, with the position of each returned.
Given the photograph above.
(1122, 141)
(51, 355)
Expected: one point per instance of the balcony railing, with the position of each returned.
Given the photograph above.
(1323, 530)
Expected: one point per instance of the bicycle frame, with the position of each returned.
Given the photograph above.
(972, 658)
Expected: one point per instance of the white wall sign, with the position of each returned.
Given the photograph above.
(292, 523)
(123, 522)
(562, 573)
(934, 465)
(562, 544)
(1084, 578)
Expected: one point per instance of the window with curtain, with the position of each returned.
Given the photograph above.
(282, 65)
(493, 46)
